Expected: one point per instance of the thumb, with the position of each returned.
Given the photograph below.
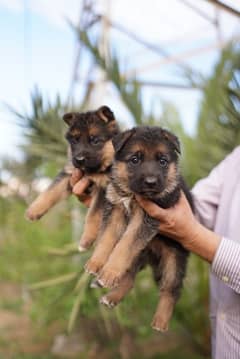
(75, 177)
(151, 208)
(81, 186)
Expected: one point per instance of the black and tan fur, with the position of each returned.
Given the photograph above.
(90, 147)
(146, 163)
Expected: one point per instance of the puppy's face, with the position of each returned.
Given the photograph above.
(146, 161)
(89, 136)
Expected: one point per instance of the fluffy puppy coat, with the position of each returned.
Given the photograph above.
(90, 149)
(146, 163)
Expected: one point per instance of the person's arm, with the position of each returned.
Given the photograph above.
(79, 184)
(207, 194)
(207, 191)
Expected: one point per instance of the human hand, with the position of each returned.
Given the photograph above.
(179, 223)
(79, 185)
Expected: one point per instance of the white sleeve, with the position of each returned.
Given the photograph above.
(226, 263)
(207, 192)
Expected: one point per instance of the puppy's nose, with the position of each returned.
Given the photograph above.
(150, 180)
(80, 160)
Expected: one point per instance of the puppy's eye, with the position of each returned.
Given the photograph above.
(75, 140)
(163, 162)
(134, 160)
(94, 140)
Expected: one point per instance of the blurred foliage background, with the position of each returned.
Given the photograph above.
(50, 299)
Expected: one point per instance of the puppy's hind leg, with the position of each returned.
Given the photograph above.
(58, 190)
(172, 270)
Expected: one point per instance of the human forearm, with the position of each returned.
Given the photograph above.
(202, 242)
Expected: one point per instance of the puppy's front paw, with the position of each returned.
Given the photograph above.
(94, 284)
(109, 278)
(93, 266)
(159, 323)
(33, 213)
(108, 300)
(85, 243)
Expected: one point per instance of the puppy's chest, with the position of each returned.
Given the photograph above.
(131, 206)
(127, 202)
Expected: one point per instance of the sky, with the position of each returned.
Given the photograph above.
(38, 48)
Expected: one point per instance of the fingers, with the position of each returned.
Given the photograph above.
(78, 182)
(81, 186)
(87, 202)
(76, 176)
(151, 208)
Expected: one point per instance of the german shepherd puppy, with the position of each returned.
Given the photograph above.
(146, 163)
(89, 136)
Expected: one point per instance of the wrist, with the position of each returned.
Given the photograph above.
(202, 242)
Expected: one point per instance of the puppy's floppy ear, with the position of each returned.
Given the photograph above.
(121, 139)
(173, 140)
(70, 118)
(105, 114)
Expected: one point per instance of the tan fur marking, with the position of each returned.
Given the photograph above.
(121, 174)
(93, 131)
(137, 148)
(163, 313)
(149, 150)
(75, 132)
(124, 252)
(167, 301)
(91, 226)
(171, 180)
(48, 199)
(107, 155)
(107, 241)
(102, 116)
(170, 269)
(121, 170)
(162, 148)
(112, 195)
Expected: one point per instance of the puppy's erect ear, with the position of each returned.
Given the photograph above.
(105, 114)
(70, 118)
(121, 139)
(173, 140)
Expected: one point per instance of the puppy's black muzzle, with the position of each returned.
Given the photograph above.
(79, 161)
(87, 164)
(148, 186)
